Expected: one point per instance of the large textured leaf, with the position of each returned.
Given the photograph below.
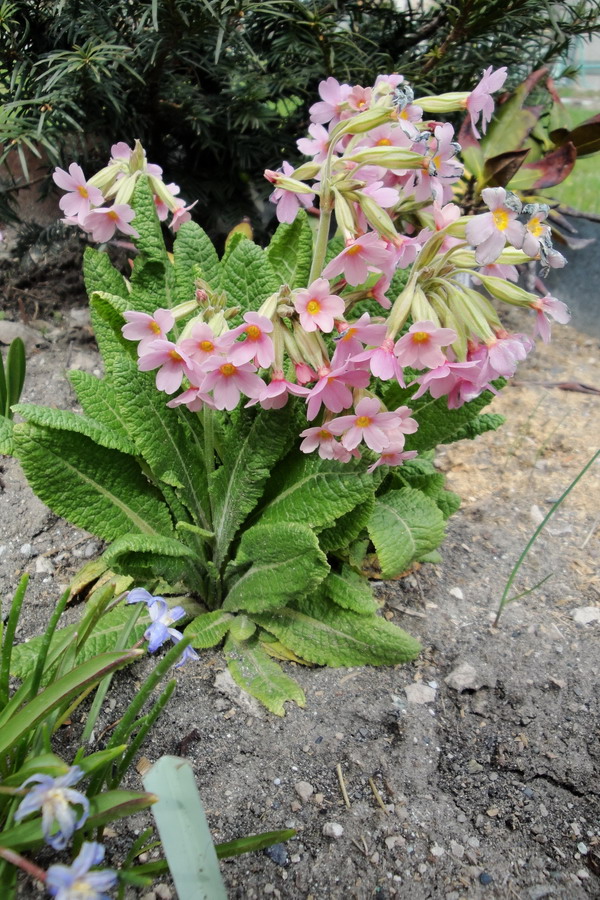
(404, 526)
(63, 420)
(160, 435)
(285, 562)
(208, 629)
(321, 632)
(347, 528)
(258, 674)
(247, 276)
(98, 400)
(143, 555)
(422, 475)
(108, 322)
(479, 425)
(314, 491)
(103, 491)
(150, 242)
(150, 285)
(350, 590)
(251, 449)
(437, 423)
(99, 274)
(290, 252)
(6, 441)
(193, 248)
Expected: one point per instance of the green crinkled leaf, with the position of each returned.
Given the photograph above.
(432, 484)
(108, 322)
(290, 251)
(347, 528)
(99, 274)
(242, 628)
(258, 674)
(6, 439)
(247, 276)
(285, 562)
(252, 447)
(63, 420)
(404, 526)
(149, 285)
(161, 437)
(314, 491)
(193, 248)
(350, 590)
(150, 242)
(437, 423)
(98, 400)
(208, 629)
(103, 491)
(143, 556)
(320, 632)
(479, 425)
(103, 638)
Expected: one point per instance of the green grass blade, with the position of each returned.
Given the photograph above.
(15, 372)
(504, 600)
(143, 725)
(4, 407)
(9, 636)
(253, 842)
(183, 830)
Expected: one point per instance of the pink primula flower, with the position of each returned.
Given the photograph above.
(358, 259)
(504, 353)
(318, 437)
(202, 344)
(479, 101)
(145, 328)
(104, 221)
(368, 424)
(359, 98)
(316, 147)
(489, 232)
(172, 363)
(332, 389)
(228, 381)
(459, 381)
(421, 346)
(354, 334)
(288, 202)
(330, 108)
(382, 362)
(275, 394)
(545, 307)
(394, 455)
(257, 345)
(317, 306)
(81, 197)
(181, 214)
(194, 398)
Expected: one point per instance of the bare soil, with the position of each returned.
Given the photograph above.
(489, 789)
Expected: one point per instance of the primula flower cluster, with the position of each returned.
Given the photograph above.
(386, 174)
(100, 205)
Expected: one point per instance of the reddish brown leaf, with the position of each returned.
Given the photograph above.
(554, 167)
(499, 170)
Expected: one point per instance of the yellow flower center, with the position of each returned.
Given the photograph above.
(535, 226)
(437, 161)
(206, 346)
(420, 337)
(82, 191)
(175, 356)
(500, 217)
(227, 369)
(112, 215)
(253, 332)
(349, 334)
(313, 307)
(352, 251)
(363, 421)
(324, 434)
(383, 142)
(155, 327)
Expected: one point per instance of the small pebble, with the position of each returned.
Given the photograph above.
(333, 830)
(582, 848)
(305, 790)
(485, 878)
(437, 851)
(163, 891)
(278, 854)
(456, 592)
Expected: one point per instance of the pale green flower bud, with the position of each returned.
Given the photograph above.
(444, 103)
(506, 291)
(389, 157)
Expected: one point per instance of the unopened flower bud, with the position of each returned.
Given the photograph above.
(388, 156)
(377, 217)
(504, 290)
(444, 103)
(365, 121)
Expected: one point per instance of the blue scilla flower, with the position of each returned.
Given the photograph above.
(76, 882)
(162, 618)
(56, 798)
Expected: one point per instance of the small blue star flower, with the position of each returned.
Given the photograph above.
(162, 618)
(55, 798)
(76, 882)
